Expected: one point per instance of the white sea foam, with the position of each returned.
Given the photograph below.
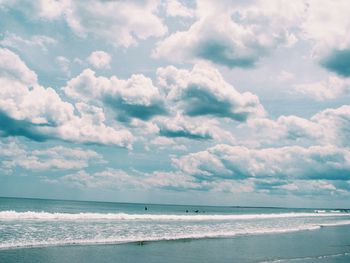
(338, 223)
(38, 229)
(45, 216)
(164, 237)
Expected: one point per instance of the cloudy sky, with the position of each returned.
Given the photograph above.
(211, 102)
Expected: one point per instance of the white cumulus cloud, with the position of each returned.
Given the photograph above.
(176, 8)
(121, 23)
(237, 162)
(99, 59)
(203, 91)
(23, 114)
(233, 34)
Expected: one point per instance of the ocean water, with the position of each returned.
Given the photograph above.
(44, 223)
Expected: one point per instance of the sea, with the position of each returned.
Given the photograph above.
(39, 223)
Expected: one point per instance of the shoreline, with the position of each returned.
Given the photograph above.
(301, 245)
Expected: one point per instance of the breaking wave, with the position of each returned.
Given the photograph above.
(164, 237)
(45, 216)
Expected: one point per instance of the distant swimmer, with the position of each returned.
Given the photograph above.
(146, 208)
(186, 211)
(196, 211)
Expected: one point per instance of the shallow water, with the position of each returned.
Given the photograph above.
(325, 245)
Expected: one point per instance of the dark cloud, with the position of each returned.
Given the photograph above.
(221, 54)
(13, 127)
(200, 101)
(183, 133)
(268, 185)
(125, 111)
(339, 62)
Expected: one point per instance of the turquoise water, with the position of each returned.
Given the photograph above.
(41, 223)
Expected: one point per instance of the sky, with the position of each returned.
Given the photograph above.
(226, 102)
